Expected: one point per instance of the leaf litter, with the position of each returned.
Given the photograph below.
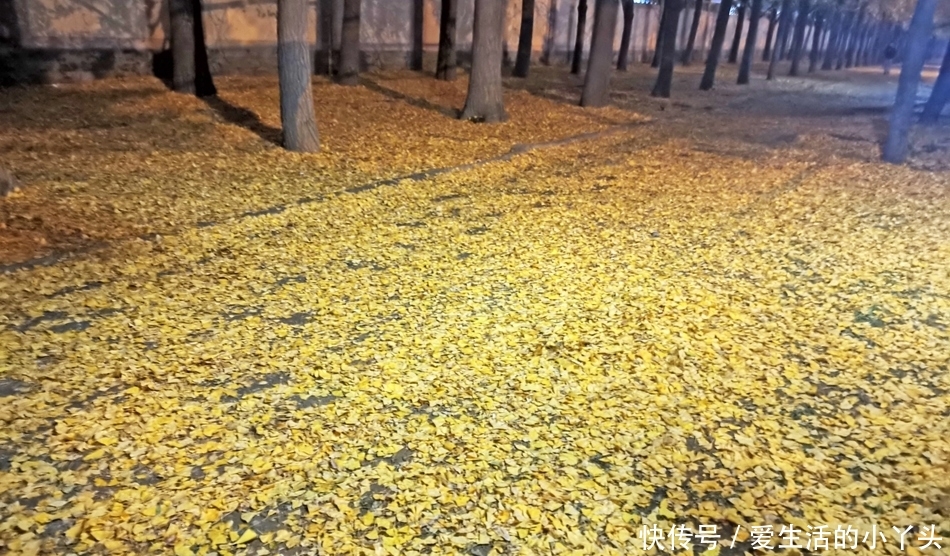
(640, 332)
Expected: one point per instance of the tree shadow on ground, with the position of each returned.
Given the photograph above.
(417, 102)
(244, 118)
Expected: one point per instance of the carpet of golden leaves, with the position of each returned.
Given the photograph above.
(532, 355)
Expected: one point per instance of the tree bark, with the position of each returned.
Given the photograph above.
(844, 40)
(874, 31)
(190, 70)
(624, 55)
(182, 23)
(418, 32)
(715, 49)
(918, 36)
(798, 43)
(579, 39)
(293, 67)
(204, 84)
(658, 46)
(671, 19)
(770, 34)
(446, 63)
(941, 92)
(816, 42)
(599, 65)
(737, 37)
(857, 32)
(485, 102)
(745, 68)
(350, 44)
(523, 59)
(785, 21)
(833, 37)
(549, 38)
(693, 30)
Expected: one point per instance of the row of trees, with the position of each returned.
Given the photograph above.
(834, 34)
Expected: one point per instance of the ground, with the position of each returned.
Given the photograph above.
(539, 337)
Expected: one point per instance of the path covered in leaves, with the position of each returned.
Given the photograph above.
(536, 354)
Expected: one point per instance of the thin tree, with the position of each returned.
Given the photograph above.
(745, 68)
(874, 34)
(918, 37)
(658, 45)
(844, 40)
(833, 33)
(940, 93)
(293, 68)
(671, 19)
(626, 35)
(182, 23)
(548, 48)
(816, 42)
(693, 30)
(190, 69)
(418, 35)
(525, 37)
(737, 37)
(485, 102)
(350, 44)
(204, 84)
(784, 22)
(579, 38)
(857, 34)
(715, 49)
(599, 65)
(770, 34)
(446, 64)
(798, 43)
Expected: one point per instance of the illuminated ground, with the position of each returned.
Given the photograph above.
(716, 311)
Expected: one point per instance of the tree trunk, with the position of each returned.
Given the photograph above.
(816, 43)
(204, 84)
(597, 80)
(693, 30)
(628, 12)
(523, 61)
(833, 36)
(671, 19)
(418, 35)
(745, 69)
(658, 46)
(190, 70)
(874, 32)
(785, 21)
(798, 43)
(784, 47)
(737, 37)
(579, 39)
(857, 32)
(843, 40)
(770, 34)
(918, 37)
(485, 102)
(941, 92)
(350, 44)
(549, 38)
(182, 22)
(446, 64)
(293, 68)
(715, 49)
